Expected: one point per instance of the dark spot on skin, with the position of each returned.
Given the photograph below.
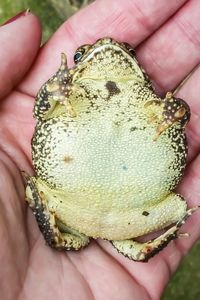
(129, 223)
(112, 88)
(67, 158)
(133, 128)
(124, 168)
(136, 128)
(145, 213)
(117, 123)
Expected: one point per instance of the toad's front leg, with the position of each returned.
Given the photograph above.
(172, 110)
(56, 91)
(56, 234)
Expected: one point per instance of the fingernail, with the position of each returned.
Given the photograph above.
(16, 17)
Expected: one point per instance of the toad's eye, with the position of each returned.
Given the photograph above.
(130, 49)
(78, 55)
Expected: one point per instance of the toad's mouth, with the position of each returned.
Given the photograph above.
(110, 78)
(108, 63)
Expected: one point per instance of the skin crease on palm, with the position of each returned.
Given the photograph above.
(166, 37)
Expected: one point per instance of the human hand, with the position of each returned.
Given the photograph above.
(168, 48)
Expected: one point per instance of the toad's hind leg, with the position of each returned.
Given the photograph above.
(139, 251)
(56, 234)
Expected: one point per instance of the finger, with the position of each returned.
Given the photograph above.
(20, 41)
(129, 21)
(173, 51)
(17, 124)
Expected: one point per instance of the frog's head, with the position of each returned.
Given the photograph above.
(107, 60)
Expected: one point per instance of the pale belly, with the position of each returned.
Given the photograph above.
(106, 172)
(96, 214)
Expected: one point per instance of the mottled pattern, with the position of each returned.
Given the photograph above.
(56, 90)
(108, 152)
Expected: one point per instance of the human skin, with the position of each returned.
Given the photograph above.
(165, 35)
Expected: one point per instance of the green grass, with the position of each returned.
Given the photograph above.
(185, 284)
(43, 9)
(51, 12)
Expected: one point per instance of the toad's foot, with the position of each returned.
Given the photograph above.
(144, 251)
(55, 233)
(174, 109)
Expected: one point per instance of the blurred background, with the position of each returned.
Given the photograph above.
(185, 284)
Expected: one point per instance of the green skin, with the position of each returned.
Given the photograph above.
(107, 154)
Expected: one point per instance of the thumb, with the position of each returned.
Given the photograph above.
(20, 39)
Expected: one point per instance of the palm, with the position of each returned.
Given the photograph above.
(30, 269)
